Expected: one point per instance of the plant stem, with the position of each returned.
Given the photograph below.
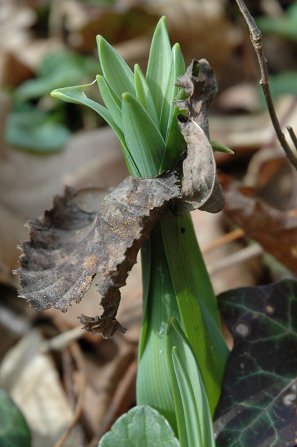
(256, 39)
(196, 301)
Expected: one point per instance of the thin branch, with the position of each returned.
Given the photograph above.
(235, 259)
(292, 135)
(224, 240)
(256, 39)
(81, 385)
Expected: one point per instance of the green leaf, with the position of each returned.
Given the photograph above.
(153, 387)
(219, 147)
(140, 427)
(281, 84)
(175, 143)
(285, 26)
(34, 130)
(143, 94)
(14, 431)
(143, 138)
(111, 100)
(159, 66)
(178, 68)
(191, 403)
(59, 69)
(77, 95)
(115, 70)
(196, 301)
(258, 403)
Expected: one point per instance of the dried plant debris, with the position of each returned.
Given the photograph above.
(258, 402)
(275, 230)
(71, 244)
(200, 186)
(200, 85)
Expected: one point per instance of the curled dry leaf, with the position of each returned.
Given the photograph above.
(69, 246)
(200, 185)
(275, 230)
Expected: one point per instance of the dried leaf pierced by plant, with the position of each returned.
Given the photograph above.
(69, 245)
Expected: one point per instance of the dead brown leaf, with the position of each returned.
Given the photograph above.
(69, 246)
(275, 230)
(200, 185)
(33, 381)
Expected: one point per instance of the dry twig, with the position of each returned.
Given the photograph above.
(239, 257)
(81, 383)
(256, 39)
(120, 401)
(225, 239)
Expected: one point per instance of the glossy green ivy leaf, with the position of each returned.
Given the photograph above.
(140, 427)
(259, 395)
(142, 136)
(114, 68)
(159, 66)
(35, 131)
(14, 431)
(191, 404)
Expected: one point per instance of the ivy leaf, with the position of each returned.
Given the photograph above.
(142, 426)
(259, 395)
(14, 431)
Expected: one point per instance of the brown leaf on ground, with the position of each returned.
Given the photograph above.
(275, 230)
(33, 382)
(69, 246)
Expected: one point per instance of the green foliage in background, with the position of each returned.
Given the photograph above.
(14, 431)
(35, 123)
(285, 25)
